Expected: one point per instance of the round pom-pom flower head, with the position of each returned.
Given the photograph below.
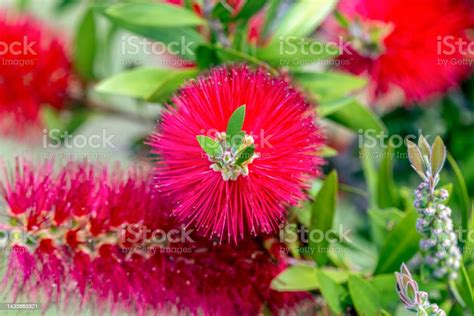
(238, 147)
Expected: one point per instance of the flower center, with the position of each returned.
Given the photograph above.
(233, 156)
(367, 37)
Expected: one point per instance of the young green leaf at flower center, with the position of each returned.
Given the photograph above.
(232, 151)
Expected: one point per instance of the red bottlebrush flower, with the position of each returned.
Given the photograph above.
(83, 256)
(222, 196)
(34, 71)
(401, 46)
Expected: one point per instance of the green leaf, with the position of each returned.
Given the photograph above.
(329, 87)
(461, 194)
(466, 289)
(245, 155)
(222, 11)
(296, 52)
(400, 245)
(330, 291)
(206, 57)
(387, 192)
(438, 155)
(209, 145)
(424, 147)
(154, 14)
(385, 286)
(365, 296)
(322, 216)
(179, 35)
(304, 17)
(249, 9)
(296, 278)
(416, 159)
(85, 45)
(229, 55)
(150, 84)
(370, 174)
(353, 115)
(236, 121)
(382, 222)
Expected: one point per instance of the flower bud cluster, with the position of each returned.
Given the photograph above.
(439, 244)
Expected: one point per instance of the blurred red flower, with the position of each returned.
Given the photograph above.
(78, 243)
(34, 71)
(408, 46)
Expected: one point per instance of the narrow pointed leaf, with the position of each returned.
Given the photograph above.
(322, 216)
(400, 245)
(438, 155)
(424, 146)
(236, 121)
(416, 159)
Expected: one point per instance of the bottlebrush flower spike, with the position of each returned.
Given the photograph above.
(439, 245)
(32, 74)
(407, 47)
(413, 299)
(233, 182)
(86, 235)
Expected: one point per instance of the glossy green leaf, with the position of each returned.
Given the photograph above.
(156, 14)
(387, 191)
(382, 222)
(328, 87)
(249, 9)
(466, 289)
(385, 286)
(304, 17)
(461, 194)
(322, 216)
(236, 121)
(330, 291)
(400, 245)
(296, 278)
(209, 145)
(365, 296)
(370, 174)
(177, 33)
(353, 115)
(150, 84)
(85, 45)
